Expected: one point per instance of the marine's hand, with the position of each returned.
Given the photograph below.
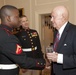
(24, 70)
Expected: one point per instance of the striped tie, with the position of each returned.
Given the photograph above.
(56, 41)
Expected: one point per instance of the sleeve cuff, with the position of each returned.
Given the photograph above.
(60, 58)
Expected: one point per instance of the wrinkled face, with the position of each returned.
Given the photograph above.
(56, 19)
(14, 18)
(24, 22)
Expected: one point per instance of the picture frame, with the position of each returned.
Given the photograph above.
(21, 11)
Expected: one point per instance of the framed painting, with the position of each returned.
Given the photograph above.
(21, 11)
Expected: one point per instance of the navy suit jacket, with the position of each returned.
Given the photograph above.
(67, 47)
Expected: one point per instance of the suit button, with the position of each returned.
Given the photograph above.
(24, 39)
(31, 39)
(32, 46)
(32, 43)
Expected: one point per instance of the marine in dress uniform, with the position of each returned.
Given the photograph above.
(11, 54)
(30, 41)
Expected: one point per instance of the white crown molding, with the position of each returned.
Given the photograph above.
(51, 2)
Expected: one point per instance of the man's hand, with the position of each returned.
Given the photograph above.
(52, 56)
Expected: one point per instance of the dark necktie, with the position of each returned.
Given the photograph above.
(56, 41)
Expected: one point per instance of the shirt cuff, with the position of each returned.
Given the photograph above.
(60, 58)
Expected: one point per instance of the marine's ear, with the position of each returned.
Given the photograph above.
(8, 18)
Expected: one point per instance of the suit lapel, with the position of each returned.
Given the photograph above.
(63, 36)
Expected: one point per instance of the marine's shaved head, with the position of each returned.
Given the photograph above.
(9, 15)
(6, 11)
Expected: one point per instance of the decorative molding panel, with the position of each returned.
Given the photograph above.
(45, 2)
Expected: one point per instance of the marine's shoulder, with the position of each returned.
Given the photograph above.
(33, 30)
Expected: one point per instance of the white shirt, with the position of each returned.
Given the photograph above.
(60, 56)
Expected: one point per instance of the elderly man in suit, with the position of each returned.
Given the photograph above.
(64, 55)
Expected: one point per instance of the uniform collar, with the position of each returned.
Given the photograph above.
(7, 27)
(27, 29)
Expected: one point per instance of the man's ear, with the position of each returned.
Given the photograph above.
(8, 18)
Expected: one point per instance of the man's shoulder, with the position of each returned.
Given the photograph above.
(72, 26)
